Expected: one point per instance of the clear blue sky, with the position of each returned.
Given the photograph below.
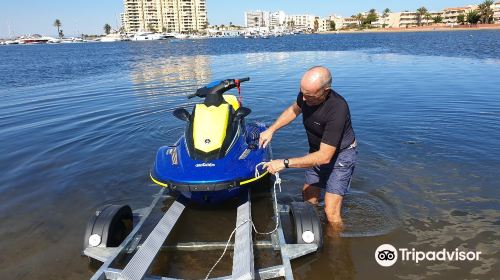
(89, 16)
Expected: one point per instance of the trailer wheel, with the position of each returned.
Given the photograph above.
(109, 226)
(306, 225)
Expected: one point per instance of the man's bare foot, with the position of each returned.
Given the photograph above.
(334, 229)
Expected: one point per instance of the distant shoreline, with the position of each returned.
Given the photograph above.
(418, 29)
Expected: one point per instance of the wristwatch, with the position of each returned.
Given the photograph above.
(286, 162)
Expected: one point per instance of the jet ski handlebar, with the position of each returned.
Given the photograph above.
(218, 87)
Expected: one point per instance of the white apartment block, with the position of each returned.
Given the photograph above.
(165, 15)
(391, 20)
(450, 15)
(349, 22)
(409, 19)
(496, 12)
(324, 24)
(300, 21)
(277, 20)
(339, 21)
(256, 19)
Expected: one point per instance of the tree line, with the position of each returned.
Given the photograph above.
(483, 14)
(57, 23)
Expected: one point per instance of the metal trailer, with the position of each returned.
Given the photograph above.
(306, 238)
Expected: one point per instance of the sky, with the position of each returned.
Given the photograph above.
(89, 16)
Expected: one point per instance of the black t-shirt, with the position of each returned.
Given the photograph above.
(328, 122)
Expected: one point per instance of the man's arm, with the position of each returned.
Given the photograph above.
(285, 118)
(323, 156)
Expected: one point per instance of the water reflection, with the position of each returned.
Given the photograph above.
(170, 74)
(336, 260)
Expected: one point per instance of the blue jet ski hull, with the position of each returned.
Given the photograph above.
(212, 181)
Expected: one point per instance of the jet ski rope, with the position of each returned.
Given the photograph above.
(277, 182)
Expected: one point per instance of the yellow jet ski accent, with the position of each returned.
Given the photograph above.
(209, 126)
(233, 100)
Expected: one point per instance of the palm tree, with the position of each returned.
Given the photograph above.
(332, 25)
(360, 18)
(438, 19)
(386, 13)
(420, 14)
(151, 27)
(371, 17)
(473, 17)
(316, 24)
(256, 21)
(57, 23)
(461, 19)
(485, 11)
(428, 18)
(107, 28)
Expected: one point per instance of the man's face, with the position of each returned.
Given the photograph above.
(314, 96)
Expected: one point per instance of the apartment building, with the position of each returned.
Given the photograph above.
(496, 12)
(450, 15)
(338, 20)
(181, 16)
(133, 18)
(256, 19)
(323, 24)
(350, 22)
(277, 20)
(391, 20)
(301, 21)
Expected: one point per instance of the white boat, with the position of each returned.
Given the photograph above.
(53, 40)
(148, 36)
(11, 42)
(199, 36)
(37, 39)
(115, 37)
(72, 40)
(180, 36)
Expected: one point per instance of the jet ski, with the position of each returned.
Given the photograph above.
(218, 157)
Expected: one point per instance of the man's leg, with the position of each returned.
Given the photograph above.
(333, 206)
(338, 185)
(311, 193)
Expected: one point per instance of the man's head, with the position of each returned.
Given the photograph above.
(315, 85)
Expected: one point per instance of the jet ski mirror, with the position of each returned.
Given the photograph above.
(182, 114)
(241, 113)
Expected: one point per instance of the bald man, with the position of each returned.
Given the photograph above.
(332, 144)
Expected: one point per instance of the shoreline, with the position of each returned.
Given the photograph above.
(416, 29)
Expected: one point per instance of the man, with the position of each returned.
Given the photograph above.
(332, 145)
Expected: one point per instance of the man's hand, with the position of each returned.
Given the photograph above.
(274, 166)
(265, 138)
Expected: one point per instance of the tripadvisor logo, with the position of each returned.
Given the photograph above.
(387, 255)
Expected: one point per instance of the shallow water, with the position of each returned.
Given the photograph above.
(80, 125)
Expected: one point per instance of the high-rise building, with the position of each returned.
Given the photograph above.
(277, 19)
(165, 15)
(256, 19)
